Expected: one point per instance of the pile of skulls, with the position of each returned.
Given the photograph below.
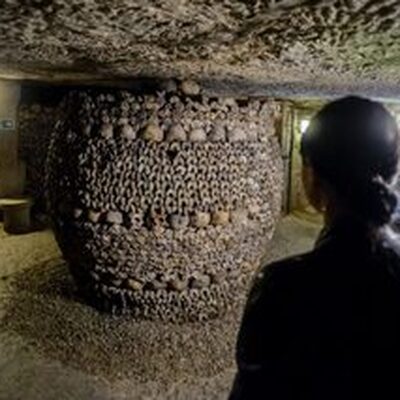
(163, 204)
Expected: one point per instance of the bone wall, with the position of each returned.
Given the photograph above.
(36, 122)
(164, 204)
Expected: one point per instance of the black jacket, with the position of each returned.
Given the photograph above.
(324, 325)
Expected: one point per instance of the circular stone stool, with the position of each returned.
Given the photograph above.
(17, 215)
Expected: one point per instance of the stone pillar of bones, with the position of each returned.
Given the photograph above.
(163, 204)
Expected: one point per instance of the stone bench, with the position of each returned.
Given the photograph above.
(16, 214)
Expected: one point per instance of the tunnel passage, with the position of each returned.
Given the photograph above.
(163, 204)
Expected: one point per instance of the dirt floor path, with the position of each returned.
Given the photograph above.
(54, 347)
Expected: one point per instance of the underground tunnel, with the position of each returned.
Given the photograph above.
(149, 166)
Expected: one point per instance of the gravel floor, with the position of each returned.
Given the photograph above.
(54, 347)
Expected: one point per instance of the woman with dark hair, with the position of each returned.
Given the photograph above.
(326, 324)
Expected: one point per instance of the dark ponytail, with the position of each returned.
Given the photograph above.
(352, 144)
(375, 202)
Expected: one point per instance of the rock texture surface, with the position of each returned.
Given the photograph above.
(335, 42)
(169, 229)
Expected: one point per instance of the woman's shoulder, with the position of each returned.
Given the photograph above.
(291, 266)
(293, 272)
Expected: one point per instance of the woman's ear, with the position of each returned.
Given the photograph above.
(313, 187)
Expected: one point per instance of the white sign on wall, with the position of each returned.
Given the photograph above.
(7, 124)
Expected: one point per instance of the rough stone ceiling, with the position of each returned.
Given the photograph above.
(308, 43)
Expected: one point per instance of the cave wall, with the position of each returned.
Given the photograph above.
(38, 112)
(318, 46)
(298, 198)
(12, 171)
(36, 122)
(163, 204)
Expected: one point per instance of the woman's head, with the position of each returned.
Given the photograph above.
(350, 154)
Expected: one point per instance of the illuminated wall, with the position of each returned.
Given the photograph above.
(11, 169)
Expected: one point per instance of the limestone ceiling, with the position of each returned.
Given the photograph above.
(298, 43)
